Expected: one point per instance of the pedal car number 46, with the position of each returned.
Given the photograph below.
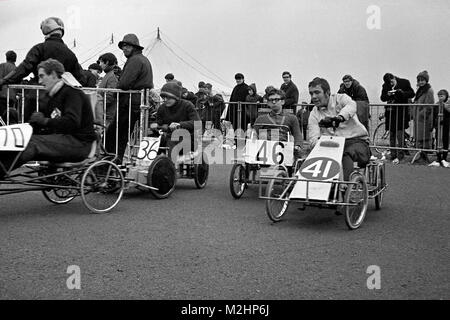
(320, 168)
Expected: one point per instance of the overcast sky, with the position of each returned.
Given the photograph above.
(259, 38)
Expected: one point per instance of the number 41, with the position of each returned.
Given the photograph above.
(315, 168)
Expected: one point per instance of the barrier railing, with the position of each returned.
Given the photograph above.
(104, 101)
(392, 127)
(400, 128)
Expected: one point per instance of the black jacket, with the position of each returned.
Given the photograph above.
(183, 112)
(89, 80)
(291, 92)
(137, 74)
(53, 47)
(356, 91)
(239, 94)
(72, 114)
(397, 116)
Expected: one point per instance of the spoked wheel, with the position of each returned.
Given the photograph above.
(163, 176)
(102, 186)
(237, 180)
(381, 138)
(356, 194)
(275, 209)
(201, 172)
(58, 196)
(380, 184)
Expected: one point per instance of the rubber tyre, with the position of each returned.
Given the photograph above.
(237, 180)
(381, 134)
(354, 215)
(276, 209)
(381, 182)
(53, 197)
(201, 172)
(162, 175)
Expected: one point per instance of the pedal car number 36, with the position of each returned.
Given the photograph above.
(320, 168)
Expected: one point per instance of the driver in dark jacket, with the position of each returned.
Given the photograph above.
(65, 131)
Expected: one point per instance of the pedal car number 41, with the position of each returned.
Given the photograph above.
(320, 168)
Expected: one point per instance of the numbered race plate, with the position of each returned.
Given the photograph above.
(15, 137)
(269, 152)
(148, 150)
(323, 163)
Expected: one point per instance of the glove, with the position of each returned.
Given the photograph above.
(329, 122)
(174, 125)
(39, 119)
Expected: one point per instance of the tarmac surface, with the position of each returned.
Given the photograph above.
(203, 244)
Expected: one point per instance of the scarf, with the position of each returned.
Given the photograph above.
(421, 91)
(56, 88)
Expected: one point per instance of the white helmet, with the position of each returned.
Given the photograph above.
(51, 24)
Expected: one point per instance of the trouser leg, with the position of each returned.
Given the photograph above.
(355, 150)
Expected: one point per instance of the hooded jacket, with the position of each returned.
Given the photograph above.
(255, 97)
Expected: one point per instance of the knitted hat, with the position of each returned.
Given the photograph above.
(239, 76)
(51, 24)
(171, 90)
(130, 39)
(424, 75)
(95, 66)
(201, 84)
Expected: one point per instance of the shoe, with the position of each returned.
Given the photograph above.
(373, 158)
(226, 146)
(396, 161)
(445, 164)
(434, 164)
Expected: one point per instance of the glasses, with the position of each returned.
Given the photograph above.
(274, 100)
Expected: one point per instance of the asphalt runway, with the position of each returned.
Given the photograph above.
(203, 244)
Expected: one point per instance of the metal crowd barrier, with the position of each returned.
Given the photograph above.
(104, 102)
(407, 127)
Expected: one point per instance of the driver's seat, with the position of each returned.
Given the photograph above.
(90, 158)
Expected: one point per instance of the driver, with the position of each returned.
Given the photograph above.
(338, 111)
(66, 133)
(275, 100)
(175, 113)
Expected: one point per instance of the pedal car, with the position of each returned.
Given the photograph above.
(97, 180)
(151, 168)
(261, 155)
(319, 182)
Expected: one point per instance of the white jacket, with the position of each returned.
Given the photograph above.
(339, 104)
